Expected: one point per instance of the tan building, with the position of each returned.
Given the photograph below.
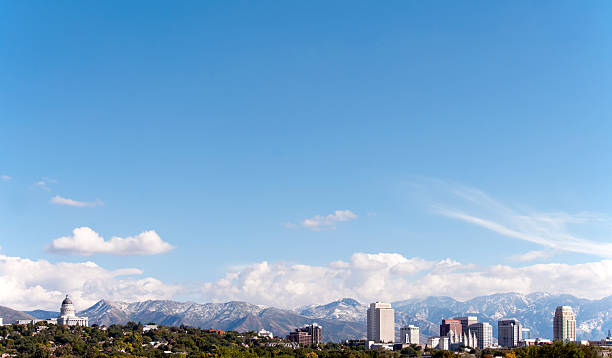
(381, 323)
(564, 324)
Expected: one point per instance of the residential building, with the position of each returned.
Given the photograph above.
(315, 331)
(409, 334)
(509, 332)
(34, 321)
(149, 327)
(307, 335)
(300, 337)
(27, 321)
(265, 334)
(219, 332)
(535, 342)
(381, 323)
(68, 315)
(564, 324)
(484, 334)
(380, 346)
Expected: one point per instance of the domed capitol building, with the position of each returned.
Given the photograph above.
(68, 315)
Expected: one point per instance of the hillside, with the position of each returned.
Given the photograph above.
(10, 315)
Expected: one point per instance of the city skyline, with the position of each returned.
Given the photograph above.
(295, 154)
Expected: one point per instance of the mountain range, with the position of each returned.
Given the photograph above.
(346, 318)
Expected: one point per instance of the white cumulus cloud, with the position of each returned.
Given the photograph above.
(70, 202)
(319, 222)
(39, 284)
(84, 241)
(392, 276)
(532, 255)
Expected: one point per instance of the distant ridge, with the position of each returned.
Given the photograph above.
(10, 315)
(345, 318)
(42, 314)
(235, 315)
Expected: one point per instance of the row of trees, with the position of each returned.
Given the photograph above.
(130, 341)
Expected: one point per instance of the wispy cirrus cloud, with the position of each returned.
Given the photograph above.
(79, 204)
(85, 242)
(551, 230)
(42, 185)
(45, 183)
(5, 177)
(320, 222)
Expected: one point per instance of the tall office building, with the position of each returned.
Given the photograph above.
(409, 334)
(451, 325)
(381, 323)
(484, 334)
(466, 322)
(564, 324)
(508, 332)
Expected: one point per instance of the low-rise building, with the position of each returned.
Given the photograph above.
(265, 334)
(409, 334)
(438, 342)
(535, 342)
(149, 327)
(380, 346)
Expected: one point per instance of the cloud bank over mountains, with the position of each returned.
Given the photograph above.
(29, 284)
(86, 242)
(392, 277)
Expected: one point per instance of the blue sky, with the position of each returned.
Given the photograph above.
(222, 126)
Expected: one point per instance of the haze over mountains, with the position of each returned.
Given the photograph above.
(345, 318)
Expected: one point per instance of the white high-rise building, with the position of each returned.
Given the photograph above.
(381, 323)
(509, 332)
(564, 324)
(409, 334)
(484, 334)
